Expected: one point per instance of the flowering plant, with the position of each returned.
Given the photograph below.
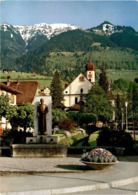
(99, 155)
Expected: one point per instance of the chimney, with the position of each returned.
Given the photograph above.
(8, 80)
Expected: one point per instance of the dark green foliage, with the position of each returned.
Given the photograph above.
(57, 115)
(6, 110)
(56, 91)
(121, 84)
(10, 137)
(117, 138)
(132, 96)
(24, 117)
(11, 48)
(36, 42)
(98, 103)
(103, 79)
(82, 118)
(126, 39)
(66, 124)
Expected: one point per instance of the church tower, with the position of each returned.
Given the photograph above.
(90, 72)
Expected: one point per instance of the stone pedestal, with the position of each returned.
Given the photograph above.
(39, 150)
(42, 139)
(48, 102)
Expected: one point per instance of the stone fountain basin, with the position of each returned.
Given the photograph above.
(98, 166)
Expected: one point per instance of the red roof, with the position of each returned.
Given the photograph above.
(28, 89)
(9, 89)
(90, 67)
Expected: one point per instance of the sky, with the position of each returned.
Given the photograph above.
(85, 14)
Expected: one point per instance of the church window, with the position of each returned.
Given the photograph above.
(66, 92)
(76, 100)
(81, 78)
(81, 90)
(90, 80)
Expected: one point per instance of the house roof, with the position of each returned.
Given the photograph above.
(9, 89)
(28, 89)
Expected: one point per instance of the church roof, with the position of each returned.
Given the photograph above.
(90, 66)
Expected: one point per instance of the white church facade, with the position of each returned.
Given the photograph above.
(79, 87)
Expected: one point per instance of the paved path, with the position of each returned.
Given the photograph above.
(131, 189)
(61, 175)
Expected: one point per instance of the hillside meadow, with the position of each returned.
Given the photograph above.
(46, 81)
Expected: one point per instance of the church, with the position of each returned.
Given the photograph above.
(80, 87)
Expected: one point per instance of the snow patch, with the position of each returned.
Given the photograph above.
(48, 30)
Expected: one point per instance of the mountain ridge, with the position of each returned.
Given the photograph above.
(43, 39)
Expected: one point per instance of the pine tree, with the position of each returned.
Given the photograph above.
(56, 91)
(103, 79)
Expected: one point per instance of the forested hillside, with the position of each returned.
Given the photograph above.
(116, 46)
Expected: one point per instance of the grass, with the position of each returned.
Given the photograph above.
(93, 139)
(70, 141)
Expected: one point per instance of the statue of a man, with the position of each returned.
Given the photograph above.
(42, 109)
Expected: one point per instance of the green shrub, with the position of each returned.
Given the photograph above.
(82, 118)
(57, 115)
(116, 138)
(10, 137)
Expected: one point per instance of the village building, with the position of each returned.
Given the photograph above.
(75, 92)
(11, 92)
(28, 89)
(80, 87)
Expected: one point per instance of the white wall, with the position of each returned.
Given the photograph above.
(74, 90)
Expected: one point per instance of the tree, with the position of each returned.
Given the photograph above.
(6, 110)
(98, 103)
(4, 104)
(103, 79)
(56, 91)
(24, 117)
(57, 115)
(132, 96)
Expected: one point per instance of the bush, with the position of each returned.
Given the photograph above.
(116, 138)
(66, 124)
(10, 137)
(57, 115)
(82, 118)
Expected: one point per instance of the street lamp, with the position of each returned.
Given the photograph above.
(126, 104)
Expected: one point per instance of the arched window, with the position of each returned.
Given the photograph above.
(76, 100)
(81, 90)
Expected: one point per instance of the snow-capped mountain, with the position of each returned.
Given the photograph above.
(49, 30)
(108, 28)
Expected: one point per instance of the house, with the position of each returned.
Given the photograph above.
(28, 89)
(11, 92)
(80, 87)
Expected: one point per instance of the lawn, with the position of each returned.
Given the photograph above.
(93, 139)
